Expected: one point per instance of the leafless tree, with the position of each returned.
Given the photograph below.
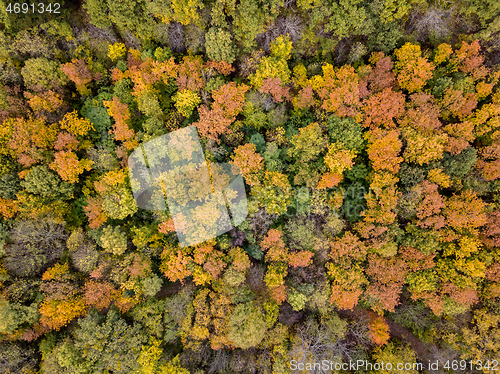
(290, 25)
(130, 40)
(313, 343)
(95, 32)
(214, 149)
(162, 33)
(289, 4)
(434, 22)
(255, 277)
(444, 355)
(176, 37)
(261, 221)
(219, 362)
(358, 333)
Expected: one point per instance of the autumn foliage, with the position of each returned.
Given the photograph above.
(364, 144)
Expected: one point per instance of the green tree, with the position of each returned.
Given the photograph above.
(485, 12)
(306, 149)
(481, 341)
(248, 22)
(13, 315)
(126, 15)
(41, 73)
(9, 185)
(108, 343)
(219, 45)
(346, 131)
(275, 65)
(113, 240)
(97, 11)
(42, 181)
(247, 325)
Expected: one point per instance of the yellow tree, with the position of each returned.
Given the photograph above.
(413, 70)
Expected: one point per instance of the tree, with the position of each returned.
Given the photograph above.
(275, 65)
(27, 139)
(346, 131)
(121, 129)
(97, 12)
(378, 330)
(307, 146)
(108, 342)
(347, 285)
(99, 295)
(274, 194)
(401, 355)
(75, 125)
(480, 341)
(465, 211)
(339, 90)
(423, 148)
(113, 240)
(381, 76)
(9, 185)
(58, 313)
(116, 51)
(457, 104)
(189, 75)
(461, 134)
(35, 244)
(248, 22)
(186, 101)
(117, 199)
(249, 162)
(274, 246)
(16, 358)
(219, 45)
(79, 73)
(41, 181)
(413, 70)
(247, 325)
(128, 16)
(68, 166)
(338, 160)
(422, 113)
(383, 107)
(388, 276)
(175, 264)
(488, 164)
(84, 258)
(429, 209)
(470, 61)
(228, 103)
(13, 315)
(41, 73)
(42, 104)
(95, 212)
(383, 149)
(275, 88)
(187, 12)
